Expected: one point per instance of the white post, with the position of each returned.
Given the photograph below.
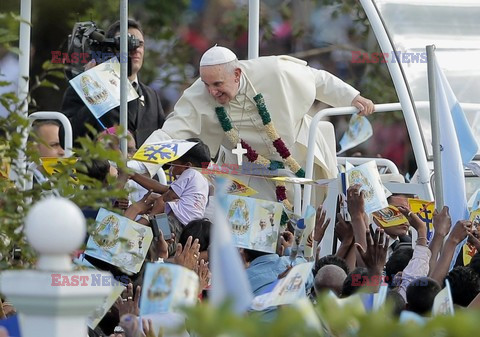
(435, 125)
(253, 28)
(123, 74)
(47, 306)
(22, 91)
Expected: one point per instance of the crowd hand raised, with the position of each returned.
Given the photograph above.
(203, 274)
(129, 323)
(442, 222)
(121, 204)
(145, 204)
(414, 221)
(375, 255)
(147, 326)
(159, 247)
(355, 201)
(473, 238)
(127, 303)
(92, 64)
(187, 256)
(321, 224)
(364, 105)
(460, 231)
(344, 230)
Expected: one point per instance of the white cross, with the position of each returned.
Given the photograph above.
(239, 151)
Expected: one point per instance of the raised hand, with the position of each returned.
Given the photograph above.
(355, 201)
(321, 224)
(344, 230)
(187, 256)
(460, 231)
(442, 222)
(127, 303)
(147, 327)
(203, 274)
(375, 255)
(286, 240)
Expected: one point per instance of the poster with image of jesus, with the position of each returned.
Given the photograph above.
(255, 223)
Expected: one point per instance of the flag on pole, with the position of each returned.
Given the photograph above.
(229, 278)
(457, 147)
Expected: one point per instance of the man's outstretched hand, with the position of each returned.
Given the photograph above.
(363, 104)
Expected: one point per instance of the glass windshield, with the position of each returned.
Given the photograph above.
(454, 28)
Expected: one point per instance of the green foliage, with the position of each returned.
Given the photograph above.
(69, 181)
(343, 321)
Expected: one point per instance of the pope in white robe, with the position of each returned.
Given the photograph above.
(289, 87)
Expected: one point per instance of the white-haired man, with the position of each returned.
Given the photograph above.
(261, 104)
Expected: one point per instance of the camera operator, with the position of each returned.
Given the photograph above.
(145, 114)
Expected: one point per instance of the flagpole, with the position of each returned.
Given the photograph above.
(123, 75)
(253, 28)
(437, 159)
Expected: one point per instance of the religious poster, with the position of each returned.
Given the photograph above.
(287, 290)
(167, 286)
(424, 209)
(469, 249)
(373, 190)
(119, 241)
(255, 223)
(234, 185)
(163, 152)
(99, 87)
(359, 130)
(102, 309)
(443, 303)
(389, 217)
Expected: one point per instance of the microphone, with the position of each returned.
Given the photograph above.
(97, 36)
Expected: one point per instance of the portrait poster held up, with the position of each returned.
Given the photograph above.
(262, 106)
(255, 223)
(99, 87)
(119, 241)
(166, 287)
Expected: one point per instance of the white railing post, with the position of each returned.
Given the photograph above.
(47, 306)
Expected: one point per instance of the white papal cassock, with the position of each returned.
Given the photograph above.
(289, 88)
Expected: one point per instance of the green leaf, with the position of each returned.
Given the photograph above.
(48, 84)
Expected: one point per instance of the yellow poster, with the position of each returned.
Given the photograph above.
(163, 152)
(53, 165)
(469, 250)
(424, 209)
(389, 217)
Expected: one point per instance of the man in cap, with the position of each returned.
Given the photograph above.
(221, 109)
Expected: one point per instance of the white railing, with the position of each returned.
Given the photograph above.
(62, 119)
(424, 178)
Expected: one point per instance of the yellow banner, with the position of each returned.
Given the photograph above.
(424, 209)
(468, 249)
(53, 165)
(163, 152)
(389, 217)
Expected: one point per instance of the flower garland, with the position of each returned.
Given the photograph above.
(254, 157)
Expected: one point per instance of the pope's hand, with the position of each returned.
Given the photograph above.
(364, 105)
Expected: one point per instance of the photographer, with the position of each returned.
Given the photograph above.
(145, 114)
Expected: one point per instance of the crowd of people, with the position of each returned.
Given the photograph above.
(260, 106)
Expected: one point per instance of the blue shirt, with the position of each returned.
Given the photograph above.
(264, 271)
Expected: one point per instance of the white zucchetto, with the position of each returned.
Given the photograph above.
(217, 55)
